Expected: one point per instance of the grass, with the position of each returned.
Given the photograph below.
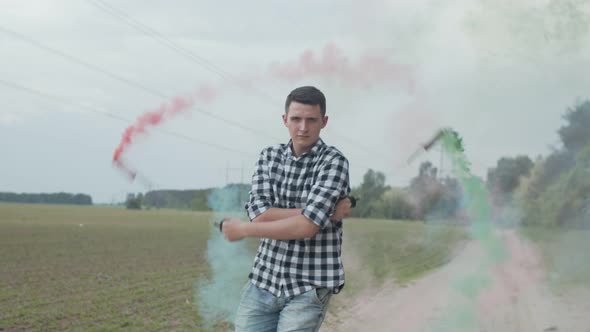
(401, 250)
(73, 268)
(95, 268)
(565, 254)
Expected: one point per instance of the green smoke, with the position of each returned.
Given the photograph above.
(463, 313)
(217, 295)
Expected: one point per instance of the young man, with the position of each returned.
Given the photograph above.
(296, 206)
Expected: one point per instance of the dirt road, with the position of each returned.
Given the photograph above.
(517, 299)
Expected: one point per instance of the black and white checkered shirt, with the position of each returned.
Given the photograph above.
(315, 182)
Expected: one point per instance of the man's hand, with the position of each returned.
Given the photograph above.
(233, 229)
(343, 209)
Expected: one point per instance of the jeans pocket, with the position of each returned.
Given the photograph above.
(322, 295)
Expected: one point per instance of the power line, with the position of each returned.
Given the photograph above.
(96, 110)
(114, 116)
(167, 42)
(125, 80)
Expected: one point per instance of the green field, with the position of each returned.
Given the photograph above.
(71, 268)
(565, 254)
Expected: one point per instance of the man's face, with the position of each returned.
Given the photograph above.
(305, 123)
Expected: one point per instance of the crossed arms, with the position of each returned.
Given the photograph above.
(293, 223)
(281, 224)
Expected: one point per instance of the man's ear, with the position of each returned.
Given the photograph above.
(324, 121)
(285, 119)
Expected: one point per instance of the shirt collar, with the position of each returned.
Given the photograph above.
(313, 151)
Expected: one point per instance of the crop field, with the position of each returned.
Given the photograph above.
(70, 268)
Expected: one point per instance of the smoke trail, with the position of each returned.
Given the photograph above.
(155, 118)
(369, 71)
(150, 119)
(477, 205)
(218, 295)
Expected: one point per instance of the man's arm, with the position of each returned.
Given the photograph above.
(274, 214)
(291, 228)
(343, 210)
(261, 192)
(331, 186)
(287, 224)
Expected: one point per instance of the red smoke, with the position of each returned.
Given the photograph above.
(369, 71)
(150, 119)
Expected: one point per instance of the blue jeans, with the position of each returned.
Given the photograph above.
(261, 311)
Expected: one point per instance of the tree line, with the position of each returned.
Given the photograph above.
(233, 198)
(428, 196)
(552, 190)
(52, 198)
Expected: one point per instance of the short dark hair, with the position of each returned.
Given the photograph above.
(308, 95)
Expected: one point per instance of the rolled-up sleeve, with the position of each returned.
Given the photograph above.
(261, 194)
(332, 184)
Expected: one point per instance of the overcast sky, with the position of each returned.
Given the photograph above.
(75, 74)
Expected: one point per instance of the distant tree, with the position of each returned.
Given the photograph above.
(199, 203)
(432, 196)
(133, 201)
(394, 204)
(503, 179)
(563, 202)
(370, 192)
(425, 190)
(177, 199)
(557, 193)
(545, 172)
(82, 199)
(427, 170)
(575, 134)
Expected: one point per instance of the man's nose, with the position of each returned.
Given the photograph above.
(303, 126)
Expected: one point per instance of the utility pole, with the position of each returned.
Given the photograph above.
(242, 199)
(227, 173)
(440, 165)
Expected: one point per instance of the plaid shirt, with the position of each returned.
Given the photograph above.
(315, 182)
